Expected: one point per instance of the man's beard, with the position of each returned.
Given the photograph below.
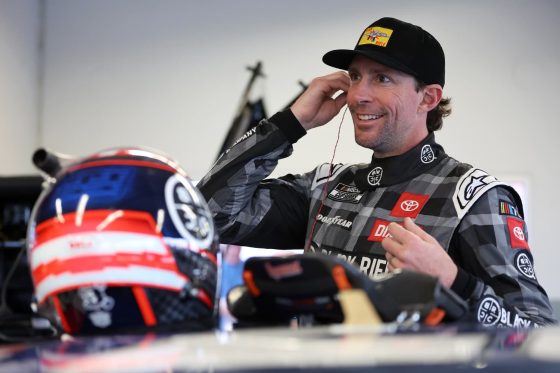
(382, 142)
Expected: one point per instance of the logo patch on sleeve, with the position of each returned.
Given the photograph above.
(470, 187)
(524, 265)
(489, 311)
(409, 205)
(517, 234)
(507, 208)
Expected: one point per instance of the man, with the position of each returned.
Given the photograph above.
(411, 207)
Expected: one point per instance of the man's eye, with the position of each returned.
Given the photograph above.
(353, 76)
(383, 78)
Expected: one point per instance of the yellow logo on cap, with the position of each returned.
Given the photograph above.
(376, 35)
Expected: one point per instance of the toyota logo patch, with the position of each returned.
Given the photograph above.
(518, 232)
(409, 205)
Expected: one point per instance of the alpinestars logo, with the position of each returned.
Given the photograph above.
(470, 187)
(374, 176)
(474, 185)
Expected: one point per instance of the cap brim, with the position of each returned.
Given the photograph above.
(342, 58)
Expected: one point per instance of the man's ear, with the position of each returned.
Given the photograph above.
(432, 95)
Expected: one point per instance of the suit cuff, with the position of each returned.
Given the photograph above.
(289, 125)
(464, 284)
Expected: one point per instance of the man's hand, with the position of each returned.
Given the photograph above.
(409, 247)
(317, 106)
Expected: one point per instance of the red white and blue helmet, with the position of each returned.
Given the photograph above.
(122, 240)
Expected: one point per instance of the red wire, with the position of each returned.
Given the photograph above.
(328, 178)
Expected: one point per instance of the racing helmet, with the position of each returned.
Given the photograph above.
(123, 241)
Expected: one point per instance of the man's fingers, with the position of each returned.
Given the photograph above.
(322, 100)
(340, 100)
(393, 262)
(407, 231)
(411, 226)
(398, 232)
(391, 245)
(333, 83)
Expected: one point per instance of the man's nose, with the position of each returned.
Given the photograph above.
(359, 93)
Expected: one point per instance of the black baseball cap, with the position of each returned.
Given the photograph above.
(399, 45)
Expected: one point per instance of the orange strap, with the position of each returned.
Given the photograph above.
(340, 278)
(250, 282)
(434, 317)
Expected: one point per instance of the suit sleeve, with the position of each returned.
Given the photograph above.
(249, 209)
(496, 268)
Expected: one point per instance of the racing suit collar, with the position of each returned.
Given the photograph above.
(393, 170)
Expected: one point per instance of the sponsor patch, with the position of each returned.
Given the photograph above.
(379, 230)
(335, 220)
(427, 154)
(524, 265)
(409, 205)
(371, 265)
(490, 313)
(507, 208)
(470, 187)
(345, 193)
(245, 136)
(376, 35)
(517, 234)
(475, 183)
(374, 176)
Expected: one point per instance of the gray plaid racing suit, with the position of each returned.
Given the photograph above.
(475, 217)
